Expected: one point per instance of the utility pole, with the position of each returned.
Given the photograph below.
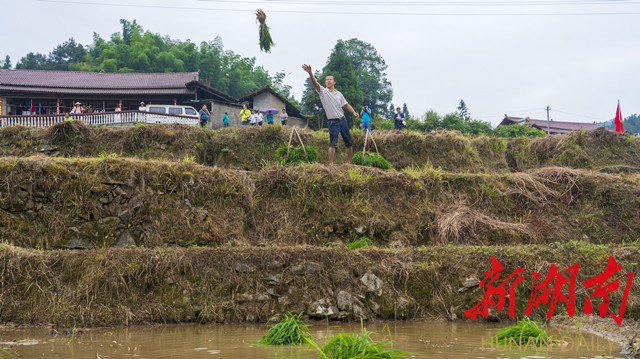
(548, 131)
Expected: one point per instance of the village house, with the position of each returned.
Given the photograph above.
(42, 92)
(555, 127)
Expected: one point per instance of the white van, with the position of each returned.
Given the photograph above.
(191, 114)
(174, 110)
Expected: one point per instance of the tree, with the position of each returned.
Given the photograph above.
(462, 110)
(370, 72)
(360, 75)
(280, 87)
(134, 49)
(632, 123)
(311, 104)
(33, 61)
(65, 54)
(343, 71)
(6, 65)
(405, 110)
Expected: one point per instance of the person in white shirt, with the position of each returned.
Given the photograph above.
(332, 102)
(77, 108)
(118, 116)
(259, 117)
(142, 117)
(253, 119)
(284, 117)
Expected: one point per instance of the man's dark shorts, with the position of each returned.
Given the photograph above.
(339, 126)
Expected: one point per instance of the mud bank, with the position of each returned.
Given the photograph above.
(52, 203)
(169, 285)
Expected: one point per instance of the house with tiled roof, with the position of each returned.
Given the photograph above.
(554, 127)
(43, 92)
(266, 97)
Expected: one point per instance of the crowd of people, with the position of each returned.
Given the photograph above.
(256, 117)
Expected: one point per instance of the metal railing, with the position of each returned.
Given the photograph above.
(98, 119)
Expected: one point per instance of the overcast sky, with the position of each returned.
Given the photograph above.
(510, 57)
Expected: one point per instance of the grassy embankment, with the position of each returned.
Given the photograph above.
(104, 226)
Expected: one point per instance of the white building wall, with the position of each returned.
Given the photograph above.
(267, 100)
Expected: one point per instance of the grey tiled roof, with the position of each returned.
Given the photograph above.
(95, 82)
(554, 126)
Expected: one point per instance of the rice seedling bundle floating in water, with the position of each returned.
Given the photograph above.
(354, 346)
(290, 331)
(525, 332)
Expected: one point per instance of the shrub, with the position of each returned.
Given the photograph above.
(517, 130)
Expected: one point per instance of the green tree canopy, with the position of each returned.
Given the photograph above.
(6, 64)
(360, 75)
(370, 72)
(518, 130)
(463, 112)
(632, 123)
(432, 121)
(340, 67)
(136, 50)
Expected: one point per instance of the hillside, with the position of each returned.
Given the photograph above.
(158, 224)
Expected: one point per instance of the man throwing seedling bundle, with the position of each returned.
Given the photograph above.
(332, 102)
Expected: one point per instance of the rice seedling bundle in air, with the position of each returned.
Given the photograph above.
(354, 346)
(525, 332)
(265, 37)
(290, 331)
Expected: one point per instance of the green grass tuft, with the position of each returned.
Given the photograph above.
(362, 242)
(526, 331)
(371, 159)
(290, 331)
(297, 155)
(354, 346)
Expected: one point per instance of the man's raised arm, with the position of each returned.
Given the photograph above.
(307, 68)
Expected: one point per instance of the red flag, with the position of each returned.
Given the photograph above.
(618, 120)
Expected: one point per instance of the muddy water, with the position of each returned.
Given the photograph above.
(421, 339)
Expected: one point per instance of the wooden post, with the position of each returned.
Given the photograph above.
(58, 106)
